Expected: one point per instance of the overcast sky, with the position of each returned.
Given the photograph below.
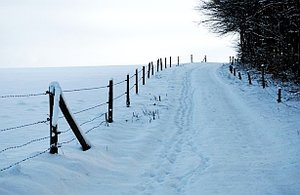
(104, 32)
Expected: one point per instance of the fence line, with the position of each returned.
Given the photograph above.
(262, 79)
(133, 82)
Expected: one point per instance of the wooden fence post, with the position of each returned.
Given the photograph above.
(110, 102)
(149, 68)
(157, 65)
(279, 95)
(136, 81)
(152, 67)
(249, 78)
(177, 60)
(53, 129)
(192, 61)
(161, 64)
(144, 73)
(263, 76)
(128, 91)
(170, 61)
(240, 75)
(234, 71)
(165, 63)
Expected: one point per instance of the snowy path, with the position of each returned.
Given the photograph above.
(215, 143)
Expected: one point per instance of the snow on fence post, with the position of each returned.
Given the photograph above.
(144, 73)
(127, 91)
(263, 76)
(279, 95)
(110, 102)
(136, 81)
(249, 78)
(170, 61)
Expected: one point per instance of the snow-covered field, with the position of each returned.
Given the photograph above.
(193, 129)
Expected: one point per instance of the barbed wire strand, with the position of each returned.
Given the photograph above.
(25, 144)
(90, 108)
(23, 95)
(89, 130)
(23, 126)
(118, 83)
(119, 96)
(84, 89)
(24, 160)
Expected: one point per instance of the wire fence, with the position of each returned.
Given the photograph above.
(99, 119)
(263, 81)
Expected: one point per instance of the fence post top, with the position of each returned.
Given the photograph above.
(54, 87)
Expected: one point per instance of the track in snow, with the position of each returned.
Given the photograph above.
(215, 143)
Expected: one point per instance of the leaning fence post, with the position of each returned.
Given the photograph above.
(127, 91)
(136, 81)
(144, 73)
(263, 76)
(279, 95)
(53, 129)
(110, 102)
(249, 78)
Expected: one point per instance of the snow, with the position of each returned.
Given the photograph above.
(192, 129)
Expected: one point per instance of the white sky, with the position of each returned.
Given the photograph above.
(104, 32)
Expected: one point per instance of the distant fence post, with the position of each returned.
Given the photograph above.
(127, 91)
(144, 74)
(279, 95)
(110, 102)
(177, 60)
(240, 75)
(53, 129)
(165, 63)
(161, 64)
(149, 68)
(157, 65)
(263, 76)
(152, 67)
(192, 60)
(170, 61)
(249, 78)
(136, 81)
